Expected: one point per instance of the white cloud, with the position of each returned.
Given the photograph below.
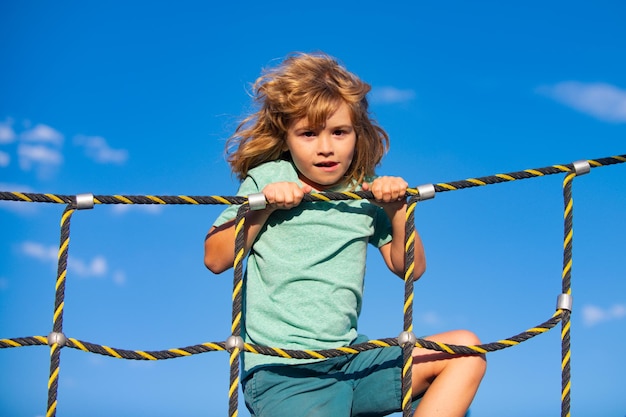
(20, 207)
(390, 95)
(5, 159)
(119, 278)
(96, 268)
(41, 155)
(97, 148)
(7, 134)
(42, 159)
(429, 318)
(146, 208)
(40, 148)
(7, 186)
(600, 100)
(593, 315)
(42, 134)
(39, 251)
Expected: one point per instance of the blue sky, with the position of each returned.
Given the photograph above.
(139, 97)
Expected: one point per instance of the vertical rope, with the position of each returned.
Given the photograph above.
(409, 267)
(233, 393)
(59, 303)
(568, 217)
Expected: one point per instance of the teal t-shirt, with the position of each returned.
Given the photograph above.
(304, 277)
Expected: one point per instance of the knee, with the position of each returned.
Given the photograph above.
(468, 338)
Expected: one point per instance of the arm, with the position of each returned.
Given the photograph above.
(219, 245)
(389, 192)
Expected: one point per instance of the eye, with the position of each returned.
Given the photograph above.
(308, 134)
(339, 132)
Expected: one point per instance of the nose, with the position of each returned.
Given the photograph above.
(324, 144)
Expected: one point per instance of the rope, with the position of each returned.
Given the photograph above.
(407, 347)
(235, 349)
(285, 353)
(196, 200)
(566, 289)
(235, 345)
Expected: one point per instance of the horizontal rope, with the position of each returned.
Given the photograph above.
(236, 200)
(286, 353)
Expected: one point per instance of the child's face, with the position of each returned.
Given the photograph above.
(323, 155)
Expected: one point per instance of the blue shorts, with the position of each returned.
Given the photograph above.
(367, 384)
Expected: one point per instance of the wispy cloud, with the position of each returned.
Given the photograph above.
(43, 134)
(144, 208)
(96, 267)
(38, 155)
(97, 149)
(5, 159)
(119, 278)
(17, 206)
(600, 100)
(40, 149)
(39, 252)
(390, 95)
(430, 318)
(7, 134)
(593, 315)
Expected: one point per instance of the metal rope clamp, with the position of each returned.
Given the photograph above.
(581, 167)
(564, 302)
(426, 191)
(57, 338)
(257, 201)
(234, 342)
(407, 337)
(84, 201)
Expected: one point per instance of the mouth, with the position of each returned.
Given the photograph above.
(326, 164)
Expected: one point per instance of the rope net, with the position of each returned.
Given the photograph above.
(56, 339)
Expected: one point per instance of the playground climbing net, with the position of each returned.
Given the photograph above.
(235, 345)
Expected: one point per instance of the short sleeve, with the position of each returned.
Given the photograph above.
(382, 229)
(257, 178)
(247, 187)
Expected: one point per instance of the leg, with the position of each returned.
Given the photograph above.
(298, 390)
(450, 381)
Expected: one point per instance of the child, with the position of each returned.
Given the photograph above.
(306, 261)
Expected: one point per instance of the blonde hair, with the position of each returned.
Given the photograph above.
(311, 86)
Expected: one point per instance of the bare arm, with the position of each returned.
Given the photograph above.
(219, 245)
(389, 192)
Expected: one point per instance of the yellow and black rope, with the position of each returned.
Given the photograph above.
(236, 200)
(407, 339)
(568, 220)
(206, 347)
(235, 345)
(57, 339)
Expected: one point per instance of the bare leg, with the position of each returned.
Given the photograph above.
(450, 381)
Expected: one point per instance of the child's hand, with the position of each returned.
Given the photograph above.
(284, 195)
(388, 189)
